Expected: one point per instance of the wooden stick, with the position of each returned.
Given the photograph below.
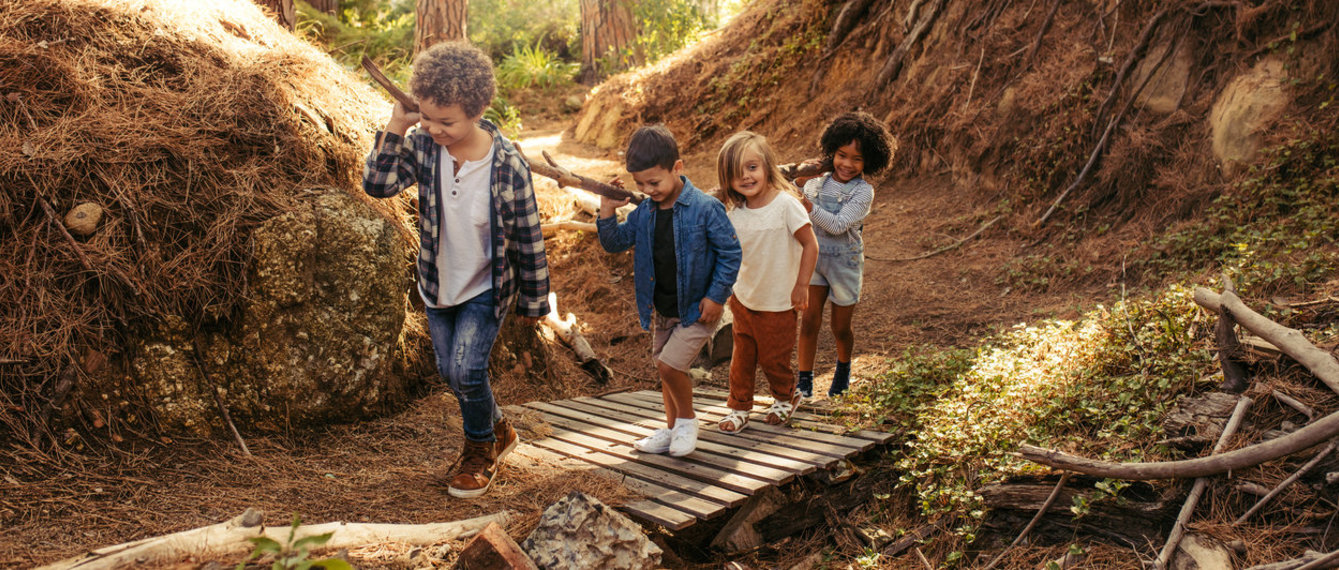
(1290, 341)
(1322, 562)
(79, 251)
(218, 401)
(1313, 434)
(924, 560)
(389, 86)
(1059, 486)
(566, 330)
(230, 538)
(1289, 481)
(1294, 404)
(948, 247)
(1144, 37)
(1036, 44)
(549, 230)
(1197, 490)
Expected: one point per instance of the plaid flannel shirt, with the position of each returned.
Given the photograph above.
(520, 269)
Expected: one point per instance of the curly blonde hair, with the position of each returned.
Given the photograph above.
(454, 73)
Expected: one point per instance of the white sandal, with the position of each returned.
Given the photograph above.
(779, 413)
(736, 419)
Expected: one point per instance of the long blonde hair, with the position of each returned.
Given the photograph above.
(728, 166)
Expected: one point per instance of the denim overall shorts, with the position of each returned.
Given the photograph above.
(841, 262)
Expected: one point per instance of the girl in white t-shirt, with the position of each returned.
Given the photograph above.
(780, 251)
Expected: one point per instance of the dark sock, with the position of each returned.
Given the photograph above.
(804, 383)
(841, 378)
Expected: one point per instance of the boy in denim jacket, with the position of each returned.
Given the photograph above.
(684, 267)
(480, 244)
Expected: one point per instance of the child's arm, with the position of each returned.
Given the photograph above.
(391, 165)
(616, 237)
(850, 214)
(722, 238)
(799, 296)
(532, 301)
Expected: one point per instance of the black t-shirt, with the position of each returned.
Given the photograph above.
(666, 295)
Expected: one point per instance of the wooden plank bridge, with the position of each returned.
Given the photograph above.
(595, 434)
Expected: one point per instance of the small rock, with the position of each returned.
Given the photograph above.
(1197, 551)
(574, 102)
(607, 539)
(83, 219)
(492, 549)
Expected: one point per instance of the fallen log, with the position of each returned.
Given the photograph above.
(566, 330)
(1137, 515)
(1313, 434)
(1290, 341)
(1059, 486)
(229, 538)
(550, 170)
(1197, 490)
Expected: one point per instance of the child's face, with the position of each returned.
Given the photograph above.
(448, 124)
(661, 184)
(751, 180)
(847, 162)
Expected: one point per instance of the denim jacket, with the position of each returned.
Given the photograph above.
(706, 250)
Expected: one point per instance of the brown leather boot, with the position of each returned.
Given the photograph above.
(506, 439)
(474, 470)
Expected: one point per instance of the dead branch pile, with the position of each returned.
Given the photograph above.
(187, 124)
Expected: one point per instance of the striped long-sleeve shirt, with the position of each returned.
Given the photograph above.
(839, 207)
(519, 268)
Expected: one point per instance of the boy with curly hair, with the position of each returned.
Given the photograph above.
(480, 242)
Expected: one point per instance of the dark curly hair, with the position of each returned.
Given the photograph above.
(454, 73)
(871, 137)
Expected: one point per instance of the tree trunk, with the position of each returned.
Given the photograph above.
(325, 6)
(439, 21)
(282, 11)
(607, 32)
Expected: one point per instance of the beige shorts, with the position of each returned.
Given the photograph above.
(677, 346)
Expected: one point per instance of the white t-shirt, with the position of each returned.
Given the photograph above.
(771, 264)
(465, 252)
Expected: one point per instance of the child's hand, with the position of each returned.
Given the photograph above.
(402, 119)
(711, 310)
(804, 201)
(799, 298)
(610, 206)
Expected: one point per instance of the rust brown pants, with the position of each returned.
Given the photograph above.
(765, 340)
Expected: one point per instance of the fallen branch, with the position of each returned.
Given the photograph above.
(948, 247)
(550, 229)
(551, 170)
(566, 330)
(230, 539)
(1144, 37)
(1197, 490)
(1289, 481)
(805, 169)
(1036, 44)
(1294, 404)
(1059, 486)
(893, 67)
(1294, 564)
(1290, 341)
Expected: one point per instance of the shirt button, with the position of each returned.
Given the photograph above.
(457, 181)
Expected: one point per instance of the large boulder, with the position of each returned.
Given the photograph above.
(1164, 91)
(1245, 108)
(325, 307)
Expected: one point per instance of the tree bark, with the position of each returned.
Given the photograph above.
(439, 21)
(283, 11)
(325, 6)
(608, 30)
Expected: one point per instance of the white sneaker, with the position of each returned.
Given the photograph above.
(683, 438)
(657, 442)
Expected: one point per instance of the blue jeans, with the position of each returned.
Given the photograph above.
(462, 337)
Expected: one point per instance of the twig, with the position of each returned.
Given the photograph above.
(1144, 37)
(1059, 486)
(1196, 491)
(1036, 44)
(972, 87)
(948, 247)
(1327, 299)
(1106, 135)
(1294, 404)
(79, 251)
(1289, 481)
(924, 560)
(1322, 562)
(218, 401)
(895, 61)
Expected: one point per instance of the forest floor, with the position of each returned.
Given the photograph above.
(389, 470)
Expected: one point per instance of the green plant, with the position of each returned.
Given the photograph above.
(505, 116)
(292, 554)
(533, 66)
(664, 26)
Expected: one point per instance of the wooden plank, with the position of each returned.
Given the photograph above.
(855, 443)
(769, 475)
(697, 507)
(831, 432)
(632, 415)
(754, 459)
(756, 431)
(707, 473)
(675, 481)
(820, 421)
(821, 407)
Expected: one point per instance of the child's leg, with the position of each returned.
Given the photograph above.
(677, 387)
(776, 341)
(476, 330)
(743, 359)
(810, 325)
(841, 330)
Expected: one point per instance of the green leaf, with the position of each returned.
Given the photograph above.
(333, 564)
(264, 544)
(314, 540)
